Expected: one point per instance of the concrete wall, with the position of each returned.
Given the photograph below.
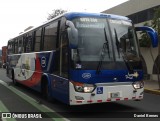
(132, 6)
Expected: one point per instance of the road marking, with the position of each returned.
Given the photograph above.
(3, 108)
(33, 102)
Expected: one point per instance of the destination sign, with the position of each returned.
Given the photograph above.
(89, 25)
(122, 22)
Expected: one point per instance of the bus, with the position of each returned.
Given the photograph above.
(80, 58)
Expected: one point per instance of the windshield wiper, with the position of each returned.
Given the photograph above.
(129, 67)
(105, 46)
(117, 42)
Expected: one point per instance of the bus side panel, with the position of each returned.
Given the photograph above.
(60, 88)
(12, 63)
(29, 69)
(33, 66)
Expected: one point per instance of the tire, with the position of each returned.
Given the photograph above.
(13, 79)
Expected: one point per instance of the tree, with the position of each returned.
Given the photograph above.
(155, 23)
(145, 40)
(55, 13)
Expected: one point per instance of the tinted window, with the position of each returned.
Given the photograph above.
(37, 43)
(50, 36)
(20, 45)
(10, 48)
(28, 42)
(16, 46)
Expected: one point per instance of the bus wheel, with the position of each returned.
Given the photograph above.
(45, 91)
(13, 78)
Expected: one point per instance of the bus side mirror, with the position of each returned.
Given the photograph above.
(72, 35)
(151, 32)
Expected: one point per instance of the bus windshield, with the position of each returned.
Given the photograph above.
(124, 40)
(104, 40)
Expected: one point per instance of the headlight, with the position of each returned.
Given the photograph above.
(138, 85)
(88, 89)
(81, 87)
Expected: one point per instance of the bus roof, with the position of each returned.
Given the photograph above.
(72, 15)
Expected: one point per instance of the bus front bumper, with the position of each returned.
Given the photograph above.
(106, 92)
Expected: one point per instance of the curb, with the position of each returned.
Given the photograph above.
(157, 92)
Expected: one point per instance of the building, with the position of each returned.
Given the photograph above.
(141, 11)
(4, 54)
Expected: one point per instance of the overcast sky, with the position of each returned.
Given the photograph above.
(17, 15)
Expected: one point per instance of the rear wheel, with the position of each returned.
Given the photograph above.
(13, 78)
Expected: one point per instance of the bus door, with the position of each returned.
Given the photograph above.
(62, 85)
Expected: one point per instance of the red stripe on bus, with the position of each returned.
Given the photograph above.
(99, 101)
(117, 99)
(78, 101)
(125, 98)
(89, 101)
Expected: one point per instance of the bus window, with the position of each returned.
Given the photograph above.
(20, 44)
(50, 36)
(16, 46)
(12, 47)
(9, 47)
(64, 55)
(37, 44)
(24, 42)
(29, 41)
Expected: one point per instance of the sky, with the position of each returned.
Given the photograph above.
(17, 15)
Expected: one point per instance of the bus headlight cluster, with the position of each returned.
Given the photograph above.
(138, 85)
(81, 87)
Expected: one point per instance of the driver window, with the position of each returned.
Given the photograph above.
(64, 55)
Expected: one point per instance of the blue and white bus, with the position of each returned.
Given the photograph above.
(80, 58)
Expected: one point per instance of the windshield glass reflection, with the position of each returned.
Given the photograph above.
(125, 44)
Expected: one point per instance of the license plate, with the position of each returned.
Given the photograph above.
(115, 95)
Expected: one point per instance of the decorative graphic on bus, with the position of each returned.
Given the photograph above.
(130, 76)
(43, 62)
(27, 68)
(86, 75)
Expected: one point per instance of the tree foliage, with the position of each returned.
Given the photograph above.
(55, 13)
(155, 23)
(145, 40)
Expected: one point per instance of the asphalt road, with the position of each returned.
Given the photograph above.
(31, 101)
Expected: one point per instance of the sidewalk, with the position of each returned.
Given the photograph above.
(152, 86)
